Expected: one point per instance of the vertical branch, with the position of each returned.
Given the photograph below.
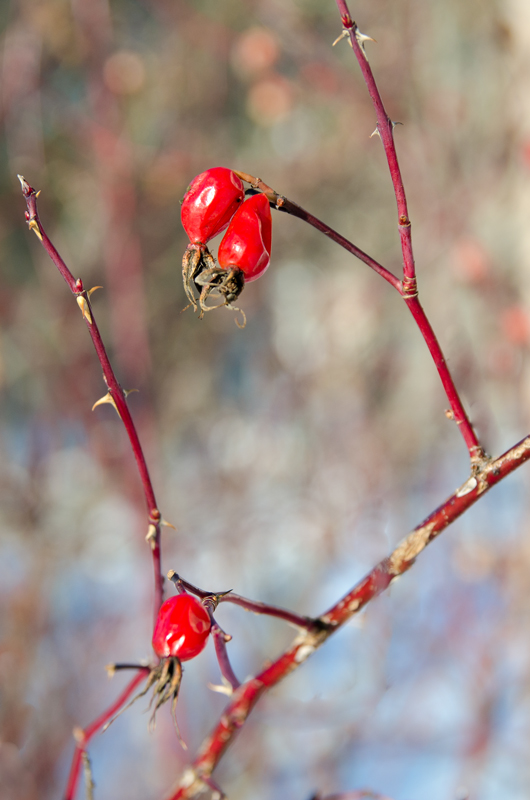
(409, 288)
(385, 129)
(116, 396)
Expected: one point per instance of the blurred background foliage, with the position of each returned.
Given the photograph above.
(291, 455)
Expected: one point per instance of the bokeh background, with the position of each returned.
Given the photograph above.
(290, 456)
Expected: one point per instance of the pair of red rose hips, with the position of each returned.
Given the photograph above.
(214, 201)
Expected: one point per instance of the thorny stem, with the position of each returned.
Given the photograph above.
(373, 584)
(476, 451)
(408, 290)
(220, 640)
(385, 129)
(83, 736)
(116, 395)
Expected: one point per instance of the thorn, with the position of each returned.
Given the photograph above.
(395, 123)
(167, 524)
(223, 594)
(467, 487)
(78, 734)
(151, 535)
(223, 688)
(343, 35)
(94, 289)
(362, 38)
(375, 132)
(33, 226)
(83, 305)
(37, 193)
(107, 399)
(127, 392)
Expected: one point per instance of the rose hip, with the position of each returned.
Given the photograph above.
(182, 628)
(210, 203)
(247, 242)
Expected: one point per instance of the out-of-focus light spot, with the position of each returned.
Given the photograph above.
(501, 359)
(270, 100)
(320, 77)
(297, 135)
(255, 51)
(515, 325)
(166, 177)
(471, 261)
(124, 72)
(473, 562)
(525, 152)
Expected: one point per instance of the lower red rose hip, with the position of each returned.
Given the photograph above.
(182, 628)
(247, 242)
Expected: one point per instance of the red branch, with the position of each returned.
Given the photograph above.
(116, 396)
(385, 129)
(409, 289)
(409, 292)
(375, 582)
(84, 736)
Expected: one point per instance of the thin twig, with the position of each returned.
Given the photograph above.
(116, 396)
(83, 736)
(284, 204)
(255, 606)
(385, 129)
(409, 289)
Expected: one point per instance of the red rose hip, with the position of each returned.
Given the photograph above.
(247, 242)
(210, 203)
(182, 628)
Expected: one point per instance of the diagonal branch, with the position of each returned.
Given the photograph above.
(83, 736)
(373, 584)
(116, 395)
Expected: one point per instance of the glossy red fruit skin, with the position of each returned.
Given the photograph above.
(247, 242)
(210, 202)
(181, 616)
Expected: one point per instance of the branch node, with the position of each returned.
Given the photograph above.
(409, 288)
